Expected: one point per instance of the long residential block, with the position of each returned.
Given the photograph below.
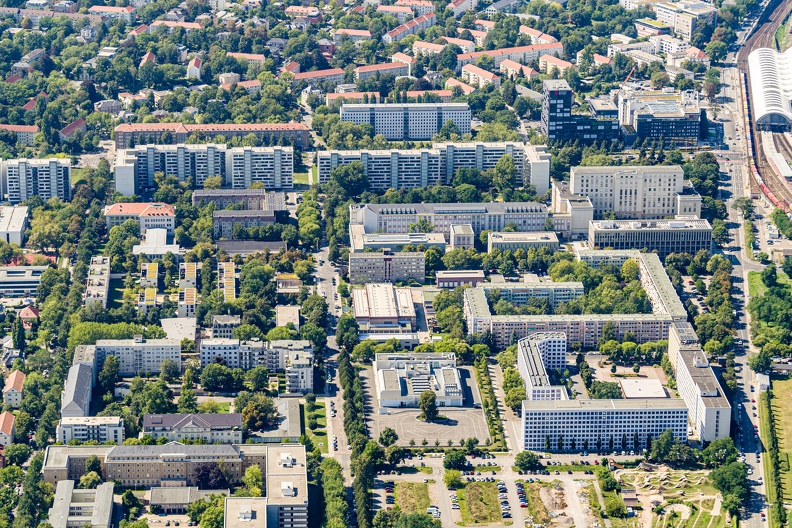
(408, 121)
(129, 134)
(397, 169)
(536, 354)
(386, 266)
(520, 54)
(47, 178)
(238, 167)
(138, 355)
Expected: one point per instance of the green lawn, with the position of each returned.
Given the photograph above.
(755, 286)
(213, 406)
(782, 415)
(478, 504)
(301, 178)
(319, 435)
(412, 497)
(116, 293)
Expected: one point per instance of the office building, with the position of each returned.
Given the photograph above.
(20, 281)
(685, 16)
(237, 167)
(150, 215)
(408, 121)
(563, 425)
(138, 355)
(130, 134)
(12, 391)
(210, 428)
(253, 199)
(455, 278)
(287, 314)
(386, 169)
(636, 192)
(174, 464)
(13, 221)
(76, 397)
(683, 235)
(697, 384)
(512, 241)
(461, 237)
(560, 124)
(536, 354)
(225, 221)
(45, 178)
(155, 245)
(360, 241)
(401, 378)
(82, 508)
(101, 429)
(492, 216)
(97, 284)
(571, 213)
(241, 512)
(386, 266)
(223, 326)
(383, 308)
(176, 500)
(671, 115)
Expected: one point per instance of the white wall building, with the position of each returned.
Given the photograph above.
(401, 378)
(47, 178)
(97, 284)
(82, 508)
(13, 221)
(535, 355)
(211, 428)
(99, 428)
(386, 266)
(408, 121)
(138, 355)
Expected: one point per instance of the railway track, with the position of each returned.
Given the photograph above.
(764, 37)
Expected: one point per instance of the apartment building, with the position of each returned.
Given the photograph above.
(73, 507)
(101, 429)
(437, 165)
(636, 192)
(226, 280)
(408, 121)
(512, 241)
(479, 77)
(355, 35)
(211, 428)
(685, 16)
(47, 178)
(188, 274)
(188, 302)
(553, 425)
(386, 266)
(13, 389)
(536, 36)
(147, 300)
(315, 77)
(493, 216)
(400, 13)
(129, 134)
(149, 215)
(138, 355)
(97, 284)
(254, 199)
(535, 355)
(149, 275)
(238, 167)
(411, 27)
(25, 134)
(396, 68)
(520, 293)
(420, 7)
(223, 326)
(224, 221)
(683, 235)
(548, 63)
(698, 386)
(520, 54)
(454, 278)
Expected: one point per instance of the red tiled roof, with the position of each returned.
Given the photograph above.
(351, 95)
(73, 127)
(212, 127)
(354, 32)
(196, 61)
(411, 24)
(16, 380)
(140, 209)
(139, 30)
(506, 51)
(112, 9)
(20, 128)
(601, 59)
(7, 423)
(385, 66)
(172, 24)
(552, 59)
(403, 58)
(318, 73)
(14, 78)
(247, 56)
(472, 68)
(243, 84)
(466, 88)
(439, 93)
(394, 9)
(29, 312)
(292, 66)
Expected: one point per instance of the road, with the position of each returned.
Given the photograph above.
(735, 185)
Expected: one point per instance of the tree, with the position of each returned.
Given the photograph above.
(109, 374)
(428, 405)
(744, 205)
(660, 79)
(89, 481)
(455, 459)
(17, 454)
(515, 397)
(188, 402)
(209, 475)
(661, 447)
(258, 378)
(351, 178)
(526, 460)
(760, 362)
(169, 370)
(770, 276)
(213, 517)
(215, 377)
(93, 465)
(504, 173)
(259, 413)
(453, 479)
(18, 334)
(253, 481)
(720, 452)
(388, 437)
(423, 225)
(717, 50)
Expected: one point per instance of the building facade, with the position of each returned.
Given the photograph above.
(138, 355)
(535, 355)
(130, 134)
(663, 236)
(211, 428)
(408, 121)
(101, 429)
(386, 267)
(46, 178)
(560, 124)
(512, 241)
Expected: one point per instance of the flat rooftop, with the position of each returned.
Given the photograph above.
(530, 236)
(13, 218)
(635, 388)
(244, 512)
(651, 225)
(286, 474)
(452, 274)
(383, 301)
(604, 405)
(695, 362)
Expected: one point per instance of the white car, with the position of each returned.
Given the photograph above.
(455, 506)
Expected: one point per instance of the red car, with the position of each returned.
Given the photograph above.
(753, 401)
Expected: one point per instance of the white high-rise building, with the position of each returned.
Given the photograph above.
(535, 355)
(99, 428)
(138, 355)
(47, 178)
(408, 121)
